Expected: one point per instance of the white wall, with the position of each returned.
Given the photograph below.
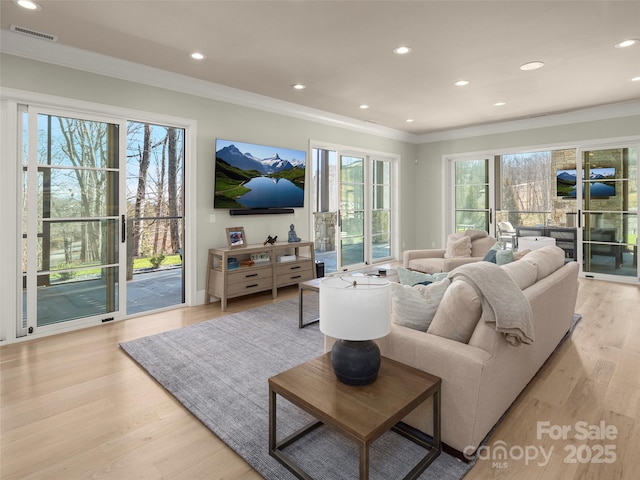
(215, 119)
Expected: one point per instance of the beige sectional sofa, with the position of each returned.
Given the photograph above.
(482, 374)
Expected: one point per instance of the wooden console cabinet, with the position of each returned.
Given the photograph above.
(224, 282)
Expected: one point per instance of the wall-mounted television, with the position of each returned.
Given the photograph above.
(601, 184)
(255, 178)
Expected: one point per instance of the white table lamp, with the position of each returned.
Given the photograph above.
(355, 310)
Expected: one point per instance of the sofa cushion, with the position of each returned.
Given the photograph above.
(523, 273)
(458, 245)
(458, 314)
(411, 277)
(415, 307)
(546, 259)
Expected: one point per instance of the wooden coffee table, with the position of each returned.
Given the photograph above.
(361, 413)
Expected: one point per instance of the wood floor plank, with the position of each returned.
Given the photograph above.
(75, 406)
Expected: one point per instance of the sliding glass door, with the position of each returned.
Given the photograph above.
(352, 211)
(609, 234)
(71, 224)
(586, 199)
(472, 200)
(155, 217)
(102, 219)
(353, 215)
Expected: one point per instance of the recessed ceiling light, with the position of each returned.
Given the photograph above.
(409, 120)
(627, 43)
(635, 79)
(28, 4)
(499, 104)
(298, 86)
(197, 56)
(532, 66)
(364, 107)
(402, 50)
(461, 83)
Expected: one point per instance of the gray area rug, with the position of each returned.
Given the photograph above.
(219, 370)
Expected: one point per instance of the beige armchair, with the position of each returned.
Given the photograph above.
(433, 261)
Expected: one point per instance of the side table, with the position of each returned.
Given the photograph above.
(362, 413)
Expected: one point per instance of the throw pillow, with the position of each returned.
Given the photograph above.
(504, 256)
(451, 238)
(414, 307)
(491, 254)
(412, 277)
(458, 314)
(458, 247)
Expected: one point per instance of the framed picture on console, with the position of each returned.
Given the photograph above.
(235, 237)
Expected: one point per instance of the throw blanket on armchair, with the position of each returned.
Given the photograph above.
(503, 303)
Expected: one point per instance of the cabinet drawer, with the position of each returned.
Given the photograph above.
(290, 276)
(247, 274)
(249, 286)
(291, 267)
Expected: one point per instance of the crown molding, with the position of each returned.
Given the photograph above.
(71, 57)
(552, 120)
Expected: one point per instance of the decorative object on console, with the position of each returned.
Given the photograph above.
(232, 263)
(235, 237)
(293, 237)
(270, 240)
(262, 257)
(355, 310)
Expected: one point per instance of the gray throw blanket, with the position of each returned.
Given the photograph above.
(503, 303)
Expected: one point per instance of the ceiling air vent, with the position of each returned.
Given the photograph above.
(33, 33)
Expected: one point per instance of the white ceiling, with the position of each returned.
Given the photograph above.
(343, 52)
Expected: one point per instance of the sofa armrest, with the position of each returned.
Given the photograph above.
(462, 369)
(409, 255)
(452, 263)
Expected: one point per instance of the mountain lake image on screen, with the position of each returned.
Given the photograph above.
(258, 176)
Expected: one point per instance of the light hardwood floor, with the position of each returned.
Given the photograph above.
(75, 406)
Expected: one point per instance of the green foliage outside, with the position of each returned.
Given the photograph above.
(138, 264)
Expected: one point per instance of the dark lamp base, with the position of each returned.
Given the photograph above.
(355, 363)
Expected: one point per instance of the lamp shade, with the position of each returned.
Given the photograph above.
(355, 308)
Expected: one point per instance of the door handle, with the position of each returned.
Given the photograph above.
(579, 218)
(124, 229)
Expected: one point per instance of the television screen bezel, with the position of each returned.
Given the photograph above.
(260, 150)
